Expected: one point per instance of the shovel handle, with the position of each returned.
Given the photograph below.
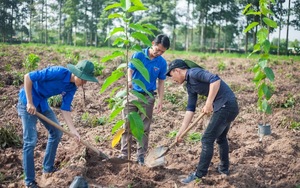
(187, 129)
(39, 115)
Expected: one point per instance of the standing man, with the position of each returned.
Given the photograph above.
(221, 102)
(157, 68)
(38, 87)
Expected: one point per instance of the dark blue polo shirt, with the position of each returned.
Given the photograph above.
(49, 82)
(157, 68)
(197, 83)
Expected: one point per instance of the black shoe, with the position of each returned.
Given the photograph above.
(226, 172)
(32, 185)
(141, 160)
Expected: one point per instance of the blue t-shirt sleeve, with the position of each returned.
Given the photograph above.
(67, 101)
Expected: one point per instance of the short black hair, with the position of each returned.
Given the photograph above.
(162, 39)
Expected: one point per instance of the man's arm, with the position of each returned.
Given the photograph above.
(28, 91)
(68, 119)
(186, 121)
(213, 90)
(160, 90)
(129, 76)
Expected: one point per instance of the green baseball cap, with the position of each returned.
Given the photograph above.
(83, 70)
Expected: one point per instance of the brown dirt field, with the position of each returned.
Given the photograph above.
(274, 162)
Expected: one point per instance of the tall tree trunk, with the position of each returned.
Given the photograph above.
(60, 17)
(30, 20)
(187, 28)
(287, 29)
(46, 23)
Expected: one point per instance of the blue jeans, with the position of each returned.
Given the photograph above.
(217, 130)
(30, 139)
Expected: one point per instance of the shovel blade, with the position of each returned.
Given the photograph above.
(156, 162)
(157, 152)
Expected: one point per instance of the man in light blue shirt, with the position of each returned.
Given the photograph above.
(38, 87)
(157, 68)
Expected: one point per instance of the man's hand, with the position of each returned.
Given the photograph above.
(208, 108)
(30, 108)
(159, 107)
(76, 135)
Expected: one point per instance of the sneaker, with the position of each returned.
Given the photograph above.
(141, 160)
(32, 185)
(190, 178)
(226, 172)
(122, 156)
(49, 174)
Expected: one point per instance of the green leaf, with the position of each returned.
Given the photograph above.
(136, 126)
(112, 56)
(269, 73)
(137, 8)
(139, 27)
(256, 48)
(111, 79)
(114, 31)
(262, 63)
(150, 26)
(255, 68)
(115, 5)
(190, 63)
(122, 65)
(250, 26)
(125, 4)
(142, 86)
(115, 15)
(260, 91)
(140, 96)
(266, 46)
(141, 37)
(114, 113)
(140, 107)
(246, 8)
(267, 91)
(137, 2)
(252, 12)
(121, 93)
(136, 47)
(117, 126)
(270, 22)
(259, 75)
(141, 68)
(262, 35)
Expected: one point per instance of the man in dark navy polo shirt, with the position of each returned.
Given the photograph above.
(38, 87)
(221, 102)
(157, 68)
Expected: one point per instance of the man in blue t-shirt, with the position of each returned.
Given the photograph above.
(157, 68)
(38, 87)
(221, 102)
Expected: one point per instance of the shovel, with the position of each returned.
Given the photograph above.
(156, 156)
(106, 158)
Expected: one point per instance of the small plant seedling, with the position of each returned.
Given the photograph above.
(171, 97)
(295, 125)
(31, 62)
(194, 137)
(221, 66)
(172, 134)
(9, 138)
(98, 68)
(55, 101)
(85, 116)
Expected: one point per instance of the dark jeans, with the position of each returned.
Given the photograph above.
(217, 129)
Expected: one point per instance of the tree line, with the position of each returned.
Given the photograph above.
(205, 25)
